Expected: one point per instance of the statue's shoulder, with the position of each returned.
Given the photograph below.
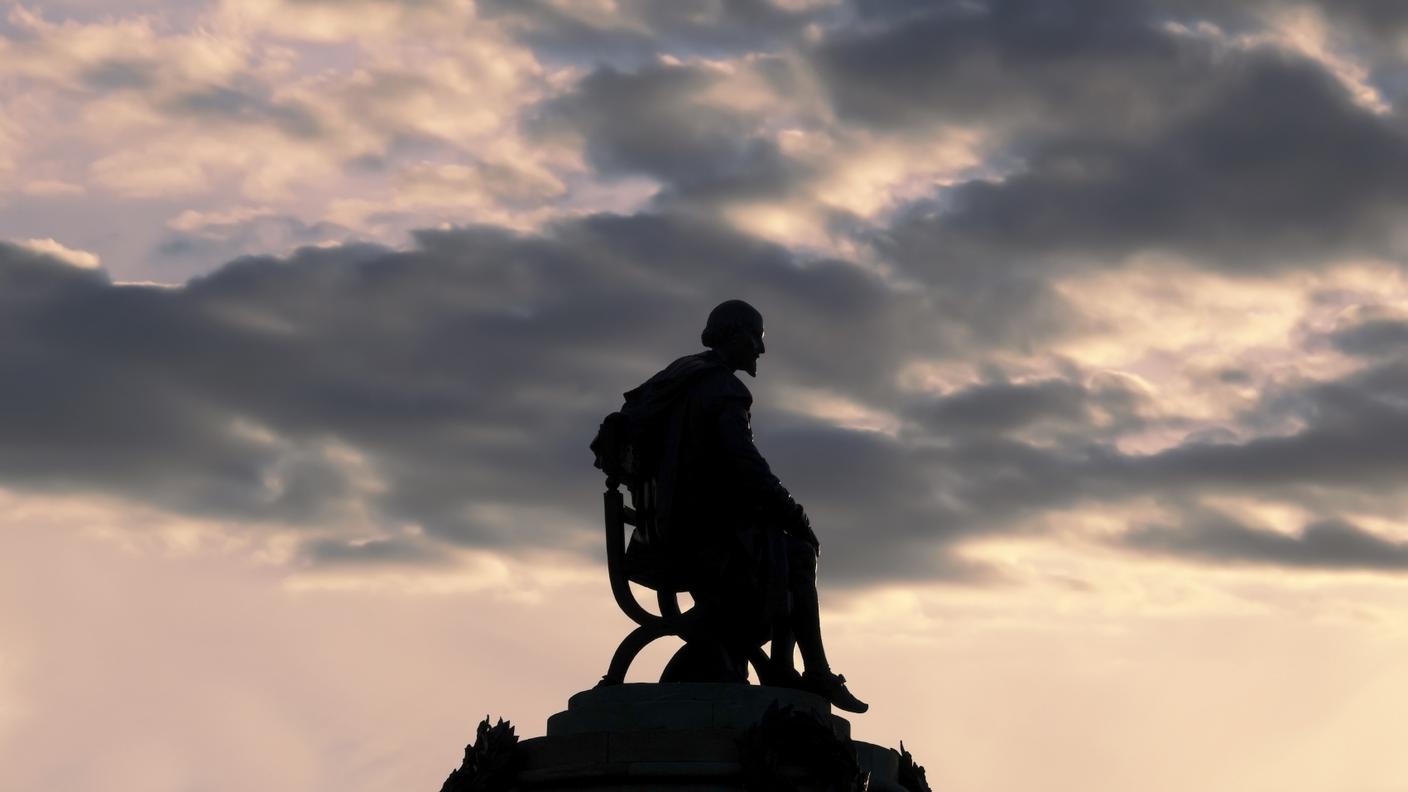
(699, 376)
(720, 385)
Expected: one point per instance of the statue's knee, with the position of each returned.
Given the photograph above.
(801, 560)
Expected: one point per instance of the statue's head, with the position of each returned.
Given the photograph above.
(735, 331)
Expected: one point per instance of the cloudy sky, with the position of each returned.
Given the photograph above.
(1088, 355)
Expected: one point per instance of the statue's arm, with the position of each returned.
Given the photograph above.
(753, 473)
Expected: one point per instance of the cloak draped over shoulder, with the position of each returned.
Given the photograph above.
(692, 433)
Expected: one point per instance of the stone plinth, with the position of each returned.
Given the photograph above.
(634, 708)
(673, 737)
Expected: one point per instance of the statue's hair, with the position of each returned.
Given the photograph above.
(727, 318)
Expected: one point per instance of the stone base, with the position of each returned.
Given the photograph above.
(672, 736)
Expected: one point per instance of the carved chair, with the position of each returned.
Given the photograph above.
(671, 620)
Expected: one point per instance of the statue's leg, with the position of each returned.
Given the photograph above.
(806, 615)
(784, 645)
(779, 670)
(806, 622)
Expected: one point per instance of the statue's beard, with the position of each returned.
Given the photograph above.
(751, 367)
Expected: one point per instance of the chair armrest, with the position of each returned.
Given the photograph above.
(616, 510)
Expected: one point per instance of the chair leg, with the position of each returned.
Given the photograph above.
(669, 603)
(627, 652)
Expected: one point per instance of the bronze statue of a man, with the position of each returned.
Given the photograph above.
(725, 528)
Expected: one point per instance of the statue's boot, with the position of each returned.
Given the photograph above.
(832, 687)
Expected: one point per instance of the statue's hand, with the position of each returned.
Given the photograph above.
(802, 528)
(810, 538)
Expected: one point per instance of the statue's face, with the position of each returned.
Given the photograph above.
(745, 347)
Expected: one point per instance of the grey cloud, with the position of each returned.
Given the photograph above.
(654, 122)
(120, 74)
(197, 246)
(871, 498)
(1347, 457)
(1385, 15)
(376, 552)
(1119, 137)
(1052, 64)
(228, 104)
(1373, 29)
(1089, 62)
(410, 4)
(1355, 430)
(642, 29)
(1344, 455)
(1277, 167)
(1373, 338)
(1106, 408)
(465, 375)
(1326, 544)
(1115, 135)
(471, 371)
(95, 395)
(1377, 18)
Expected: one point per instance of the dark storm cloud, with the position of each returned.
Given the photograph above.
(1329, 545)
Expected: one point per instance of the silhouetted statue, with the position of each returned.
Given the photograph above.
(713, 520)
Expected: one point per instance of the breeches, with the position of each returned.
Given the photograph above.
(754, 594)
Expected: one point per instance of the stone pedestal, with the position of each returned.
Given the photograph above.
(681, 737)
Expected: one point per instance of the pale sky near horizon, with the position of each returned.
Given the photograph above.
(1087, 354)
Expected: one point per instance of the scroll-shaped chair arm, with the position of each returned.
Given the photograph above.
(670, 621)
(616, 512)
